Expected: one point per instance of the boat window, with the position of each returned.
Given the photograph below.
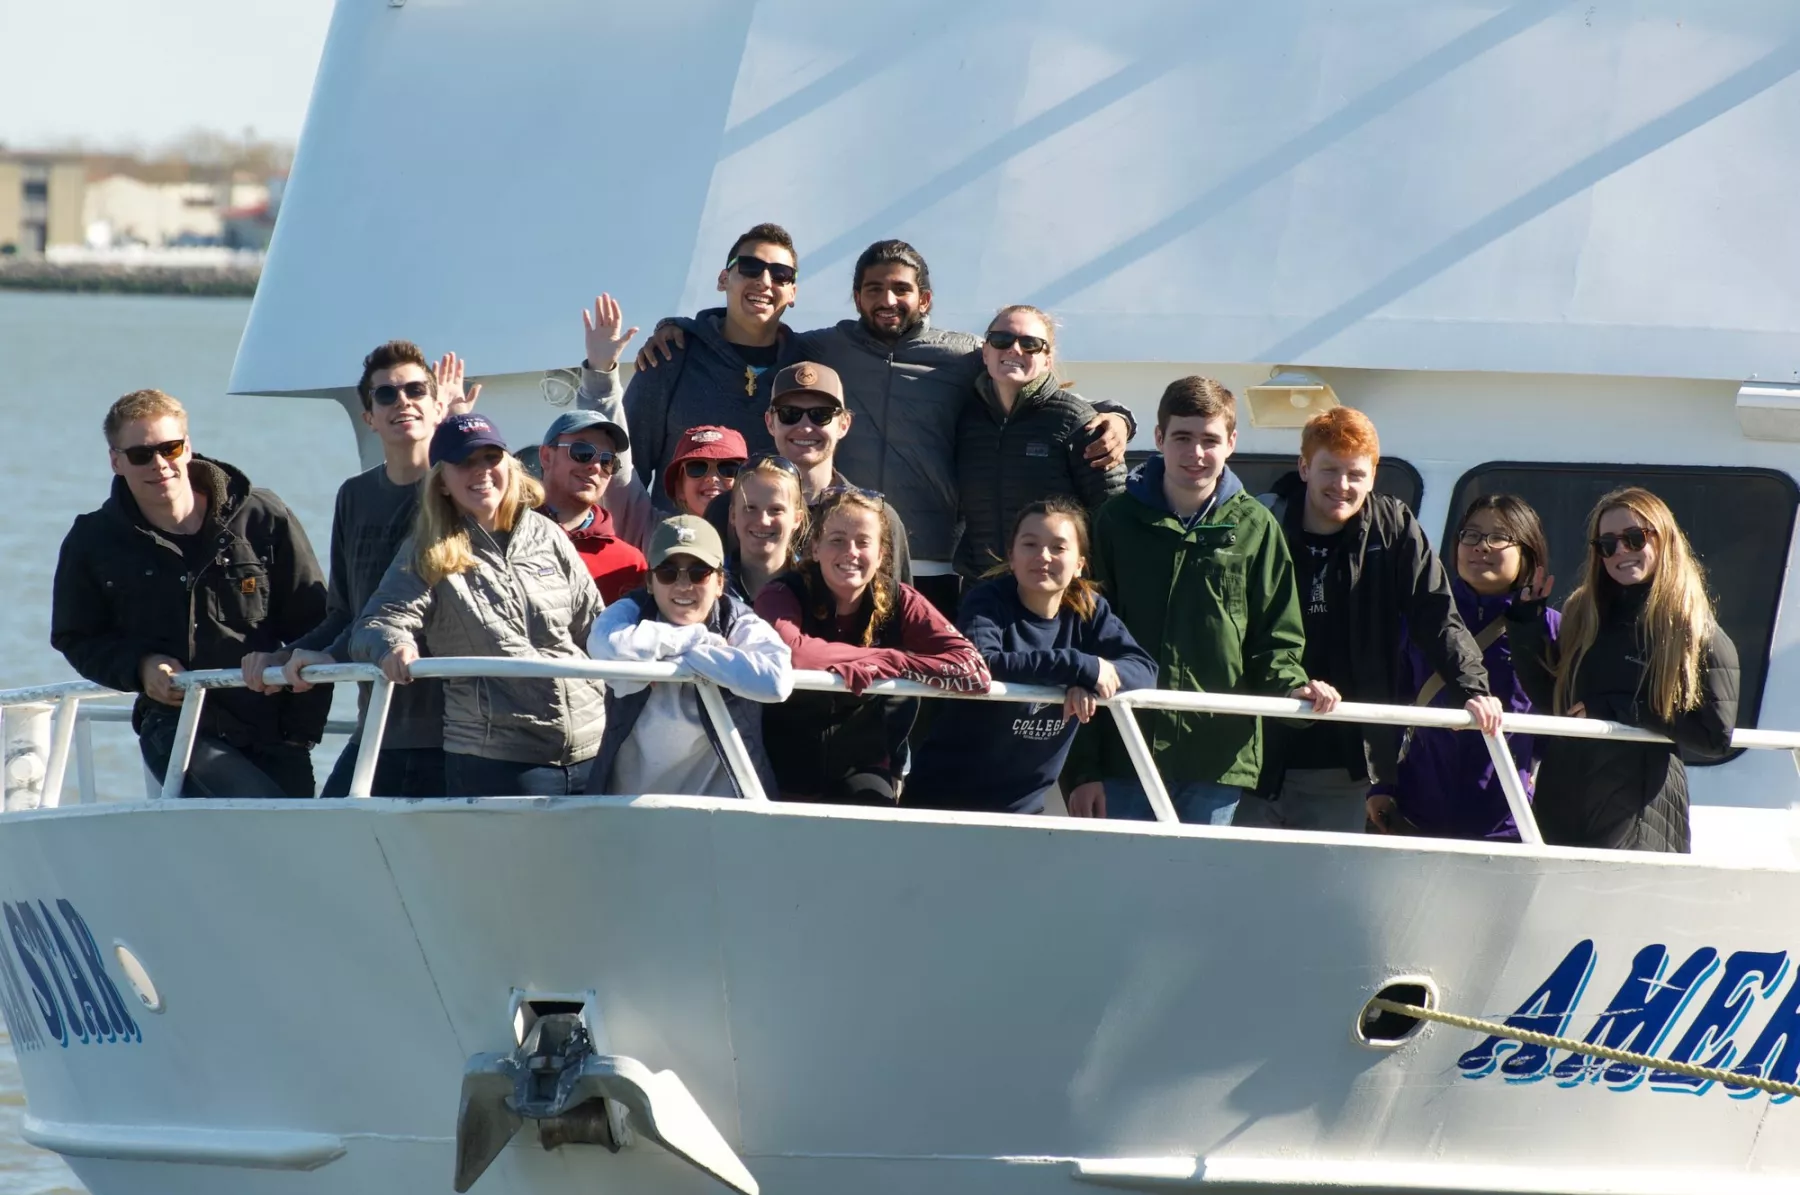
(1740, 522)
(1259, 471)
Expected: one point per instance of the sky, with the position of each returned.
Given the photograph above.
(114, 72)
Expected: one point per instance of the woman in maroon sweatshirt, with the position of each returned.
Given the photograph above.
(842, 611)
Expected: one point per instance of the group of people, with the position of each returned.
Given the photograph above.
(882, 499)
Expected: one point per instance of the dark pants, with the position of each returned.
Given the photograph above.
(218, 769)
(858, 788)
(476, 776)
(399, 772)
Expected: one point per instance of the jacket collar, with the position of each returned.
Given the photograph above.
(225, 488)
(1291, 490)
(598, 528)
(1146, 485)
(1034, 394)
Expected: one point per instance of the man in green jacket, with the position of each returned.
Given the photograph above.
(1200, 572)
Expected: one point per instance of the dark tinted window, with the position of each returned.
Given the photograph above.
(1740, 522)
(1259, 471)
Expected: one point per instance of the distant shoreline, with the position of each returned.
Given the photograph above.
(86, 278)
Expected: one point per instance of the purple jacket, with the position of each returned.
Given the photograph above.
(1446, 785)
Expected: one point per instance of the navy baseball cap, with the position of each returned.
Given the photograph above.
(459, 435)
(570, 422)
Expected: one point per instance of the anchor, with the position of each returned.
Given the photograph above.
(555, 1078)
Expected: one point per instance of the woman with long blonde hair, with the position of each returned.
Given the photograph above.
(1640, 643)
(484, 574)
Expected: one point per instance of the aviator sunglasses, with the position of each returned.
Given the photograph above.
(698, 469)
(143, 454)
(1027, 344)
(583, 453)
(819, 416)
(1634, 539)
(756, 267)
(693, 574)
(387, 396)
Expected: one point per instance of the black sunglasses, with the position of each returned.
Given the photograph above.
(387, 396)
(1634, 539)
(143, 454)
(839, 491)
(756, 267)
(583, 453)
(820, 416)
(695, 574)
(1027, 344)
(699, 469)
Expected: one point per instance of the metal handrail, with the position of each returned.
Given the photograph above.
(67, 694)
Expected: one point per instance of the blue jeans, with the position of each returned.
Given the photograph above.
(1197, 802)
(477, 776)
(399, 772)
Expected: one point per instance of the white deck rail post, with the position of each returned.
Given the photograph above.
(62, 736)
(1517, 799)
(187, 726)
(737, 756)
(374, 727)
(1143, 761)
(85, 789)
(26, 729)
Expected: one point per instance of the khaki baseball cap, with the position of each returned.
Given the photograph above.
(686, 535)
(807, 377)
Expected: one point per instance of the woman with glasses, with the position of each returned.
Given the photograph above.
(484, 574)
(658, 739)
(767, 519)
(706, 463)
(843, 612)
(1020, 437)
(1641, 644)
(1446, 785)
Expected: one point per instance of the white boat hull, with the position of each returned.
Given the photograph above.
(861, 1002)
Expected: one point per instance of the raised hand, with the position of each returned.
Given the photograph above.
(1538, 588)
(449, 374)
(604, 343)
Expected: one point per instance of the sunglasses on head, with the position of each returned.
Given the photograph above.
(820, 416)
(143, 454)
(583, 453)
(1492, 541)
(387, 396)
(699, 469)
(693, 574)
(839, 491)
(1027, 344)
(756, 267)
(1634, 539)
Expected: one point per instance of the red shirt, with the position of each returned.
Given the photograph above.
(616, 567)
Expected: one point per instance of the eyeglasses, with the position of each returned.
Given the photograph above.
(1492, 541)
(583, 453)
(820, 416)
(756, 267)
(143, 454)
(387, 396)
(699, 469)
(840, 491)
(693, 574)
(1027, 344)
(1634, 539)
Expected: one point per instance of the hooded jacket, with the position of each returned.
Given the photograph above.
(1622, 796)
(1214, 599)
(1393, 580)
(617, 567)
(124, 590)
(531, 599)
(1005, 460)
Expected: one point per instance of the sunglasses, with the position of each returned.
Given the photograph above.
(387, 396)
(820, 416)
(779, 462)
(756, 267)
(1027, 344)
(583, 453)
(839, 491)
(1634, 539)
(143, 454)
(693, 574)
(725, 469)
(1492, 541)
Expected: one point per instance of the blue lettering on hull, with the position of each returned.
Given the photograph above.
(54, 985)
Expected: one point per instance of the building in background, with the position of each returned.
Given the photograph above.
(41, 202)
(149, 204)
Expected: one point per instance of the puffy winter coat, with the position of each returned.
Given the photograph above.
(532, 599)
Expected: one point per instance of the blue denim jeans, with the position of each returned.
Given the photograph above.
(477, 776)
(399, 772)
(1197, 802)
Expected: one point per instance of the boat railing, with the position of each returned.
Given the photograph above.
(71, 709)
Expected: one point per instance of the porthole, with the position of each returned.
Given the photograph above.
(1383, 1029)
(138, 977)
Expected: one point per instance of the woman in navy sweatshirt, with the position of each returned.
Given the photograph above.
(1038, 623)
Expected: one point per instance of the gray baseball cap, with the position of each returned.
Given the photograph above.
(570, 422)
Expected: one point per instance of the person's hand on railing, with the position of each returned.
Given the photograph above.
(258, 662)
(155, 672)
(1324, 698)
(1080, 704)
(604, 342)
(1487, 712)
(1087, 800)
(297, 660)
(397, 664)
(1108, 684)
(1578, 710)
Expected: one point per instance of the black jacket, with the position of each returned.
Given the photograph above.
(1623, 796)
(124, 591)
(1004, 461)
(1394, 579)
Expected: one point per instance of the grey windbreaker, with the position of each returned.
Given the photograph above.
(535, 601)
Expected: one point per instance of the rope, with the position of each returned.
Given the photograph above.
(1531, 1037)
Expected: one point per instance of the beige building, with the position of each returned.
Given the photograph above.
(123, 208)
(41, 200)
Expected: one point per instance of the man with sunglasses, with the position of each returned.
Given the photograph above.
(581, 455)
(188, 566)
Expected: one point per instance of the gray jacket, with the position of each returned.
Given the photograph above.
(532, 600)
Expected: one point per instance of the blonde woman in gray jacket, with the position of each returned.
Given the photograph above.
(484, 574)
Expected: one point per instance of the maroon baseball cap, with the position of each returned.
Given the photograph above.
(706, 443)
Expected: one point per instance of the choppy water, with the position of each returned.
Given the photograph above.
(63, 359)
